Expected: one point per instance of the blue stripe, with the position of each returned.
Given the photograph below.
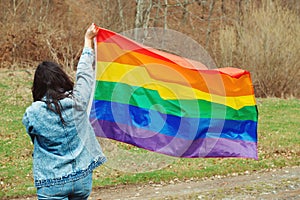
(174, 126)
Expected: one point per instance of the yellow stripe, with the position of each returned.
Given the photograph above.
(138, 76)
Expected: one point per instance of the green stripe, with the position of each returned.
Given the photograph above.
(150, 99)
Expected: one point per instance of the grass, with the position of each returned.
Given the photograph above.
(279, 145)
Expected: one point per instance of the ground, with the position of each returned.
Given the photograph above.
(270, 184)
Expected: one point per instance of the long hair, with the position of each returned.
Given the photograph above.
(52, 82)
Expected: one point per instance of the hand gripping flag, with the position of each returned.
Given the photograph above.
(171, 105)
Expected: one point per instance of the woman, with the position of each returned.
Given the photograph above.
(65, 147)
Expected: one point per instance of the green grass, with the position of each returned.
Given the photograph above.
(278, 133)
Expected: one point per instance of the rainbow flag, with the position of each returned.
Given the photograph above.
(171, 105)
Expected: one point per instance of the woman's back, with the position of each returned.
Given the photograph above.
(65, 146)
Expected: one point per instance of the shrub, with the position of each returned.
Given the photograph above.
(266, 42)
(33, 31)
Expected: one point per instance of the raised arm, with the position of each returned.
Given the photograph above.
(85, 73)
(89, 36)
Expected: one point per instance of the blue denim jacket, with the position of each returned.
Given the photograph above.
(64, 153)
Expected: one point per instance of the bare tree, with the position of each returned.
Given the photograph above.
(121, 15)
(208, 31)
(142, 16)
(166, 15)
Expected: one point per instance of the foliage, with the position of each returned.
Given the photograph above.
(279, 144)
(258, 35)
(265, 42)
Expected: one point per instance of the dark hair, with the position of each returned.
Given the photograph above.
(52, 82)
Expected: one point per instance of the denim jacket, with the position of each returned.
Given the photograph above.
(65, 153)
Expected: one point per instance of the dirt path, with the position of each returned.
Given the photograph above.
(274, 184)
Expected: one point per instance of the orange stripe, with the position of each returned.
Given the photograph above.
(211, 81)
(106, 36)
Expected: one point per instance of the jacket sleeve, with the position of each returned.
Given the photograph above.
(84, 79)
(28, 126)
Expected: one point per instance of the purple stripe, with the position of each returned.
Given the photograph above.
(178, 147)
